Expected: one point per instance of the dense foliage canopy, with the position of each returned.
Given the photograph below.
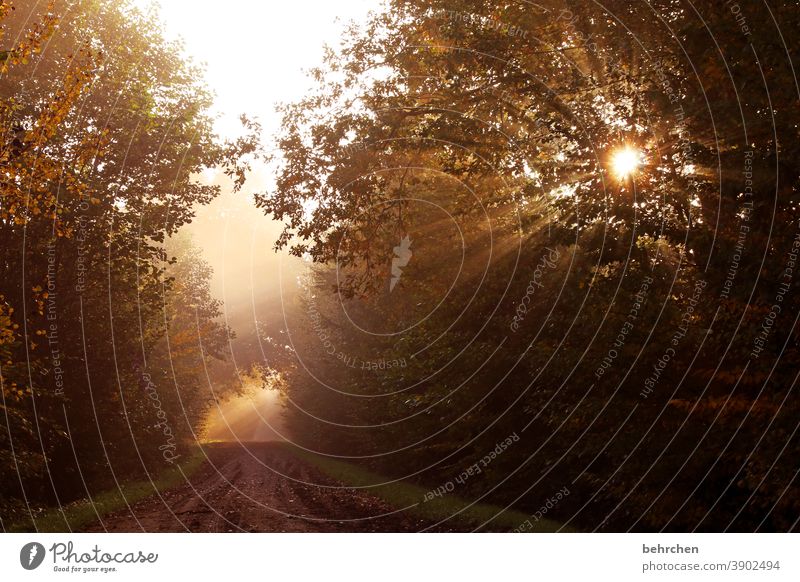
(486, 268)
(107, 323)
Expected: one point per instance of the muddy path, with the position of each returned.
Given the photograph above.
(259, 487)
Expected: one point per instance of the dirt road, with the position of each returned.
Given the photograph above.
(259, 487)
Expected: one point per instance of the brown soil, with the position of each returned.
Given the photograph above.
(259, 487)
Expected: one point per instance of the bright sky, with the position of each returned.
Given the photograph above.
(256, 50)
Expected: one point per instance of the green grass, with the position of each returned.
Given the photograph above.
(401, 494)
(77, 515)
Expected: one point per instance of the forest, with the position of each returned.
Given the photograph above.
(551, 253)
(102, 303)
(603, 214)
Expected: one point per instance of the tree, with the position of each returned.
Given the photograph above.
(102, 142)
(509, 117)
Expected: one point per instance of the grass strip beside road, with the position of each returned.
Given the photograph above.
(401, 494)
(77, 515)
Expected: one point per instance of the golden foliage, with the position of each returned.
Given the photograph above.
(33, 168)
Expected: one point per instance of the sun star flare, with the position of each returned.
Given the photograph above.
(625, 162)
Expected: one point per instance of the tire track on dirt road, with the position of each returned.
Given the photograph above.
(260, 487)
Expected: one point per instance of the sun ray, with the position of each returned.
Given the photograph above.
(625, 162)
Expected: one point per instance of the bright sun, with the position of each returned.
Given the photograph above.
(625, 162)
